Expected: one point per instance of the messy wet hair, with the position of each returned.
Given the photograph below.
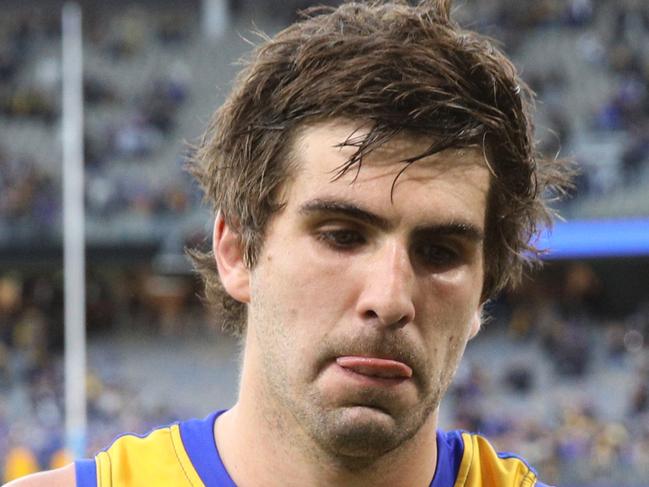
(402, 69)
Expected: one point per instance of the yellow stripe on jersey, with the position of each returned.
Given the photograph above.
(481, 466)
(157, 459)
(182, 455)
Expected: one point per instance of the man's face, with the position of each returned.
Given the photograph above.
(365, 294)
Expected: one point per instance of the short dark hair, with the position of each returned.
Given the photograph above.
(404, 69)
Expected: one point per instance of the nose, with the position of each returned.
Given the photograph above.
(386, 298)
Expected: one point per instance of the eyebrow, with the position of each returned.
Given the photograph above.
(462, 229)
(344, 208)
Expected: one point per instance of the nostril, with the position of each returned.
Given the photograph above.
(386, 319)
(403, 321)
(399, 323)
(370, 314)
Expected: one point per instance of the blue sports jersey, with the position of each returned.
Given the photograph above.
(185, 454)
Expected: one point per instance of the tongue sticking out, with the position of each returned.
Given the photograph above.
(375, 367)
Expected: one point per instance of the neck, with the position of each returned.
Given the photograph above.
(284, 455)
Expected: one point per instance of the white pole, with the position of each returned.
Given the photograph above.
(215, 18)
(73, 233)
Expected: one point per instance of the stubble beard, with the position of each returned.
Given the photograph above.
(352, 437)
(356, 437)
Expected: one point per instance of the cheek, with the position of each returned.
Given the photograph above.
(461, 285)
(445, 355)
(453, 299)
(311, 284)
(447, 324)
(301, 294)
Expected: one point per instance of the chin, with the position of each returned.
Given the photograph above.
(362, 434)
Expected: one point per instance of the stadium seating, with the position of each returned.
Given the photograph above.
(580, 412)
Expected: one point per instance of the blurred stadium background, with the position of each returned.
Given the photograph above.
(560, 374)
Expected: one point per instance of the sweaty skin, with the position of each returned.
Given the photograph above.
(351, 269)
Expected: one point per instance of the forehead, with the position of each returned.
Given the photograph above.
(457, 176)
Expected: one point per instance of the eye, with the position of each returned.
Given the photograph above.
(436, 255)
(341, 238)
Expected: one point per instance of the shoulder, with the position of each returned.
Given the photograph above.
(155, 458)
(153, 442)
(61, 477)
(480, 461)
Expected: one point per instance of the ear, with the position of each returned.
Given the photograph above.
(228, 253)
(476, 322)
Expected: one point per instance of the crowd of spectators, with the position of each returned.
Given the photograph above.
(548, 406)
(126, 130)
(31, 375)
(20, 98)
(29, 196)
(556, 407)
(128, 125)
(614, 52)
